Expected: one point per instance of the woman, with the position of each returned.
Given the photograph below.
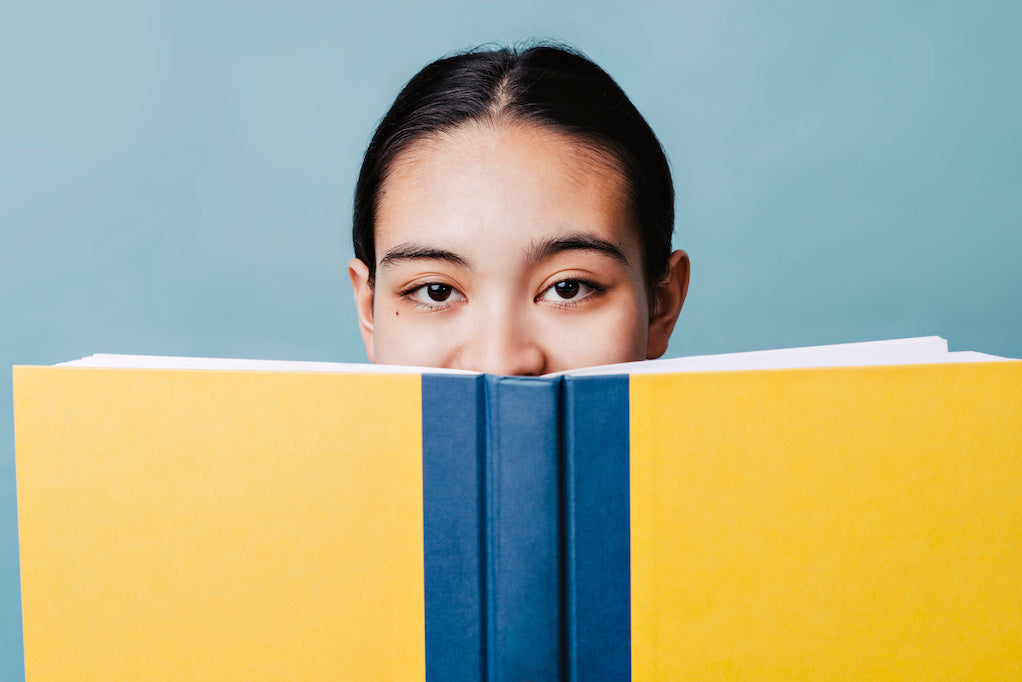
(514, 215)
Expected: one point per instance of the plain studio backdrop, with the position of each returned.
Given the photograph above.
(176, 176)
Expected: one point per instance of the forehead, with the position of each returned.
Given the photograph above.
(503, 185)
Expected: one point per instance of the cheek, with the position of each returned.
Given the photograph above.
(624, 337)
(612, 335)
(402, 338)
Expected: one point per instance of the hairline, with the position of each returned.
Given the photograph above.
(592, 149)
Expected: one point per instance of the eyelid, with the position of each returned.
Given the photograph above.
(587, 276)
(422, 279)
(595, 289)
(419, 286)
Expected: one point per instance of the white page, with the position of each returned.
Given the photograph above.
(108, 360)
(712, 363)
(921, 350)
(892, 351)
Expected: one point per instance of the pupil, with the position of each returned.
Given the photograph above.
(438, 292)
(567, 288)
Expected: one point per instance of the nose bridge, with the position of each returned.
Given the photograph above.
(505, 341)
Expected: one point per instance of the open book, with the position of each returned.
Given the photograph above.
(829, 512)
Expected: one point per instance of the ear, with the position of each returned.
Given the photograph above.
(359, 274)
(669, 295)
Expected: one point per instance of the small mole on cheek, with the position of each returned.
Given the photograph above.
(396, 313)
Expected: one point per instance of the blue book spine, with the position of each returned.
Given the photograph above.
(526, 529)
(453, 462)
(523, 482)
(492, 529)
(597, 546)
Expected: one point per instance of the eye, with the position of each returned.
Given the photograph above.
(569, 288)
(438, 292)
(434, 295)
(569, 291)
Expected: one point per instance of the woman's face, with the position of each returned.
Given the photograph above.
(508, 250)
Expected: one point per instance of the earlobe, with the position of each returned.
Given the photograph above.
(670, 294)
(358, 272)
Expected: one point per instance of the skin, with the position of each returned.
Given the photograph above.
(509, 249)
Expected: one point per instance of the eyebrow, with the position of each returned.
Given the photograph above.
(575, 242)
(412, 251)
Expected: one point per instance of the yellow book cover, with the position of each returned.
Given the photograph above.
(186, 525)
(838, 524)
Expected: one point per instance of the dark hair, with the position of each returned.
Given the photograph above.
(551, 86)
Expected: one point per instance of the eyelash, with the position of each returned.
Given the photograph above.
(434, 306)
(594, 290)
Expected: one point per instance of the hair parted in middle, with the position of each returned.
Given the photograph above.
(548, 85)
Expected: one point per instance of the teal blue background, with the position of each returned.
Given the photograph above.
(176, 176)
